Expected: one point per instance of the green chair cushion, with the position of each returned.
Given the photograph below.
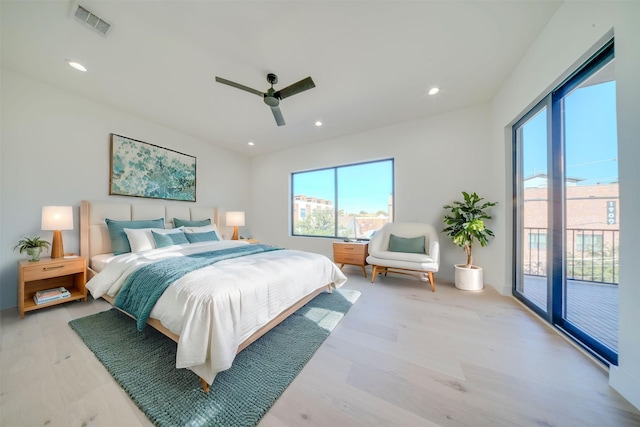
(413, 245)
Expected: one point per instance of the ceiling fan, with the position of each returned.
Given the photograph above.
(273, 97)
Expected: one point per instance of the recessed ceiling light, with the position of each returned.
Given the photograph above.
(433, 91)
(251, 143)
(318, 123)
(77, 66)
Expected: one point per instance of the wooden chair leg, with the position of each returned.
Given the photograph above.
(433, 284)
(374, 273)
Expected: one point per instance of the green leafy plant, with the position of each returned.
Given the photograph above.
(31, 242)
(465, 223)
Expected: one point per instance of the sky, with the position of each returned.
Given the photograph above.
(364, 186)
(590, 133)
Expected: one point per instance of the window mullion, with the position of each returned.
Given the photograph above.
(336, 209)
(557, 213)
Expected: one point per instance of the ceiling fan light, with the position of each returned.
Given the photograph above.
(251, 143)
(318, 123)
(433, 91)
(77, 66)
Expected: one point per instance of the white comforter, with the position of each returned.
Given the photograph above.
(216, 308)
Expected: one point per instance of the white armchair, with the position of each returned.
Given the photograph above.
(406, 236)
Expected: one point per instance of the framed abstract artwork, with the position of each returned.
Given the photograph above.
(139, 169)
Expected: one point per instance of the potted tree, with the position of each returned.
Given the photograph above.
(465, 224)
(32, 246)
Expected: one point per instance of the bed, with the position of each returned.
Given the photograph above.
(215, 310)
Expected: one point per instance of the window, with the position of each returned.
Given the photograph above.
(588, 242)
(538, 240)
(351, 201)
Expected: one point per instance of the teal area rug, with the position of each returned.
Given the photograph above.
(143, 363)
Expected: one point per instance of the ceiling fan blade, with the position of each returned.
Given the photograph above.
(277, 114)
(301, 86)
(238, 85)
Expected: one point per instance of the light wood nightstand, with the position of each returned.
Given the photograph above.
(49, 273)
(354, 253)
(252, 241)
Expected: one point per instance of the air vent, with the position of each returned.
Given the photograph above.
(92, 20)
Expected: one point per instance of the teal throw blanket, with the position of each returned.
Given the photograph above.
(142, 289)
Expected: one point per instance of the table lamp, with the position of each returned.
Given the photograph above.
(57, 218)
(235, 220)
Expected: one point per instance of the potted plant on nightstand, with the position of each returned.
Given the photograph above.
(32, 246)
(465, 224)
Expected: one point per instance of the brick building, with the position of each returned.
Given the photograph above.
(592, 230)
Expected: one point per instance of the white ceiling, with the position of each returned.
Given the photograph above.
(372, 61)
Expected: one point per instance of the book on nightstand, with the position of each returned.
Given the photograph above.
(49, 295)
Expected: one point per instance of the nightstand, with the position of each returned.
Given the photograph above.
(354, 253)
(49, 273)
(252, 241)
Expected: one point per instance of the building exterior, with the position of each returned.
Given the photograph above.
(303, 206)
(592, 237)
(360, 226)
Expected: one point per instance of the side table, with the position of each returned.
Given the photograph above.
(49, 273)
(354, 253)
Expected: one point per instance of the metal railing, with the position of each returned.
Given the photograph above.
(592, 254)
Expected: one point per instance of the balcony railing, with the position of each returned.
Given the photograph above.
(592, 254)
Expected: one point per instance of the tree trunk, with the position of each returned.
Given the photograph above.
(467, 249)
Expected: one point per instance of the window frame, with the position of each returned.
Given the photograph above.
(336, 205)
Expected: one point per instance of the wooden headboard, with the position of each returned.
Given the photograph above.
(94, 235)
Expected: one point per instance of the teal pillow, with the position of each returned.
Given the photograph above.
(119, 240)
(177, 222)
(170, 239)
(209, 236)
(413, 245)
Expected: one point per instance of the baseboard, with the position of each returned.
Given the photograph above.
(623, 383)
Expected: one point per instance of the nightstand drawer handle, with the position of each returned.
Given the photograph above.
(53, 268)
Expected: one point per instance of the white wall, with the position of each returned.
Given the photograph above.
(436, 158)
(55, 151)
(572, 33)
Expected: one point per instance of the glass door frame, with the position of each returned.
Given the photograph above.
(518, 208)
(556, 209)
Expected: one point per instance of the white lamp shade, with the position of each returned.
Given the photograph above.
(235, 219)
(57, 218)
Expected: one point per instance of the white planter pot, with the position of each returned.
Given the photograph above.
(468, 279)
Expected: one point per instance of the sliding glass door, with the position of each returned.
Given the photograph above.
(533, 207)
(566, 202)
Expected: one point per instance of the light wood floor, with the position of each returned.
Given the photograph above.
(403, 356)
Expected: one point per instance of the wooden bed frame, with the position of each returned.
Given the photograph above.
(94, 240)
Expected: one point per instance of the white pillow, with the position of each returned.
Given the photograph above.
(203, 229)
(141, 239)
